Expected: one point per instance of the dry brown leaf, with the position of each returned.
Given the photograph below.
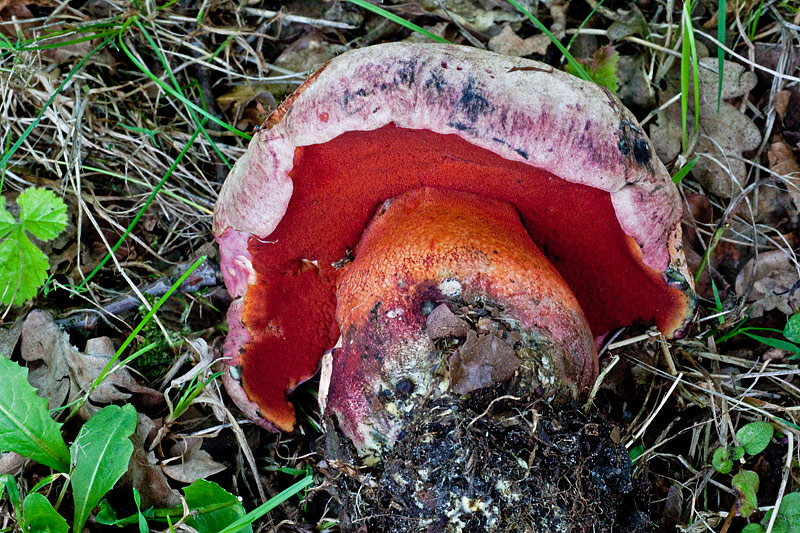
(145, 474)
(307, 53)
(474, 14)
(481, 362)
(780, 102)
(192, 462)
(775, 283)
(783, 162)
(64, 373)
(9, 337)
(443, 323)
(725, 132)
(510, 44)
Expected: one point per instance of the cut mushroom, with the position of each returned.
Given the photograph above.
(512, 146)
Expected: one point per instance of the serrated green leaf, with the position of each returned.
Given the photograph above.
(755, 528)
(746, 484)
(40, 517)
(42, 213)
(100, 454)
(792, 329)
(23, 268)
(212, 507)
(721, 461)
(7, 222)
(755, 436)
(25, 424)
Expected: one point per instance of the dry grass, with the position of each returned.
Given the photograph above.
(114, 131)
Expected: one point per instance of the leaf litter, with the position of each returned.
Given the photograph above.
(113, 133)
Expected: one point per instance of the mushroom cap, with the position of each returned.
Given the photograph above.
(380, 120)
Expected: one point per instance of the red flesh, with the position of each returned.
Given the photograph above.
(338, 186)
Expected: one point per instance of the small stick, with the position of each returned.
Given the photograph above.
(299, 19)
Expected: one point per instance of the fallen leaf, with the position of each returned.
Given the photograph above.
(9, 337)
(192, 463)
(443, 323)
(64, 373)
(481, 362)
(508, 43)
(783, 163)
(307, 53)
(473, 14)
(775, 283)
(145, 474)
(725, 132)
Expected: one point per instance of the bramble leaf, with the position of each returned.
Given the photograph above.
(792, 329)
(100, 454)
(754, 437)
(721, 461)
(42, 213)
(25, 424)
(788, 519)
(746, 485)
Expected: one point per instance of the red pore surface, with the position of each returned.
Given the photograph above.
(338, 185)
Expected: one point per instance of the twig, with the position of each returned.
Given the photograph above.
(206, 275)
(299, 19)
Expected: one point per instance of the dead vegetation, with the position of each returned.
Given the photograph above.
(133, 112)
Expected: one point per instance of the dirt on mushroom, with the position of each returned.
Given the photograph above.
(502, 458)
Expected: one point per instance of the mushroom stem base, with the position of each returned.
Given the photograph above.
(511, 316)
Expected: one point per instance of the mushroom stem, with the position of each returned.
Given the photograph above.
(432, 246)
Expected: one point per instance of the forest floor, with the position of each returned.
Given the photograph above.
(133, 113)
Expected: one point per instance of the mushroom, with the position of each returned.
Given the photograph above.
(525, 201)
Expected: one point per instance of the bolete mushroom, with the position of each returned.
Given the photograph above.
(462, 165)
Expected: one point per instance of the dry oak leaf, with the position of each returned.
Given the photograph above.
(191, 463)
(725, 132)
(64, 373)
(145, 474)
(481, 362)
(775, 283)
(783, 163)
(510, 44)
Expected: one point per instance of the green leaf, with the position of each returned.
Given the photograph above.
(755, 436)
(746, 485)
(25, 424)
(9, 484)
(721, 461)
(7, 222)
(738, 453)
(774, 343)
(792, 329)
(634, 453)
(602, 69)
(212, 507)
(100, 454)
(676, 179)
(40, 516)
(143, 528)
(755, 528)
(23, 268)
(42, 213)
(788, 520)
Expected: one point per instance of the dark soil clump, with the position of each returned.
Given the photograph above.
(476, 465)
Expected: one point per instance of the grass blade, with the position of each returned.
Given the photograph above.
(398, 20)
